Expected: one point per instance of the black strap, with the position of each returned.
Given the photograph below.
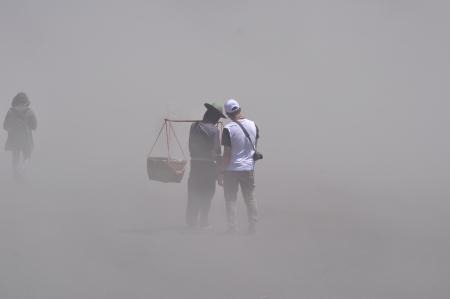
(245, 132)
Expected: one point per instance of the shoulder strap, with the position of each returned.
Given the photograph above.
(246, 133)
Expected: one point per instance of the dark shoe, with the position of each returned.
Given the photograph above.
(231, 231)
(252, 231)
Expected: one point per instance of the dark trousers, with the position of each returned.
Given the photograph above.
(201, 189)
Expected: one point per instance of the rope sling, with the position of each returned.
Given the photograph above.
(168, 170)
(162, 169)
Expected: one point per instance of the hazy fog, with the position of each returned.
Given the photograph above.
(351, 99)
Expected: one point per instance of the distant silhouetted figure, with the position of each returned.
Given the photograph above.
(19, 122)
(239, 140)
(205, 150)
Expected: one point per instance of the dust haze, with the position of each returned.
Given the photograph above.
(352, 106)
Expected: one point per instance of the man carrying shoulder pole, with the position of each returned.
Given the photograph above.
(204, 147)
(240, 138)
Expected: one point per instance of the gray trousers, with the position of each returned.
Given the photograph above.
(231, 182)
(26, 152)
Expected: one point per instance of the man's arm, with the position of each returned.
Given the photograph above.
(225, 160)
(216, 151)
(226, 142)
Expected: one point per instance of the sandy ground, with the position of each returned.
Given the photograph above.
(351, 99)
(122, 241)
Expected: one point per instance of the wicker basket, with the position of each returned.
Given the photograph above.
(165, 170)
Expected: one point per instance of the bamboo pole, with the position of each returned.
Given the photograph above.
(184, 121)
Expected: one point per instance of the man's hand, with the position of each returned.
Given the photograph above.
(213, 154)
(225, 160)
(220, 179)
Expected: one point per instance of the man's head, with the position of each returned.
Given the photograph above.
(20, 99)
(232, 109)
(214, 112)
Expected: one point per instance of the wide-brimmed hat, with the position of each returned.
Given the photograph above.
(216, 107)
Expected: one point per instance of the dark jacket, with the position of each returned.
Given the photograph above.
(19, 103)
(204, 136)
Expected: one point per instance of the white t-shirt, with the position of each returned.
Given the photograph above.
(241, 148)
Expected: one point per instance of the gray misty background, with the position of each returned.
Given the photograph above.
(351, 100)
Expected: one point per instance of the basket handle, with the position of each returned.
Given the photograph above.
(168, 129)
(168, 146)
(157, 138)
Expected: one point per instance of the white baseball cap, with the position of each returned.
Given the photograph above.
(231, 106)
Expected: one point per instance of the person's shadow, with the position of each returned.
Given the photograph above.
(182, 230)
(145, 231)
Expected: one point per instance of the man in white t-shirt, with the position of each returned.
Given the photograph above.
(238, 165)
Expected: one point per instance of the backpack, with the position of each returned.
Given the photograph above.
(19, 131)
